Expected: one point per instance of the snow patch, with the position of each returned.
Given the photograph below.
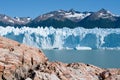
(11, 21)
(28, 19)
(5, 17)
(77, 15)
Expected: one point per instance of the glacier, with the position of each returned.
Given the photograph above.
(64, 38)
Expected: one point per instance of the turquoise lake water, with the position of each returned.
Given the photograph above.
(100, 58)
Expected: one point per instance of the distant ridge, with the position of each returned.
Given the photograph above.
(61, 18)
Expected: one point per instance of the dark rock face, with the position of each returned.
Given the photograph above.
(20, 62)
(100, 19)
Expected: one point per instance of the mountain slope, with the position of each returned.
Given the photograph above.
(54, 23)
(62, 14)
(100, 19)
(61, 18)
(71, 19)
(16, 21)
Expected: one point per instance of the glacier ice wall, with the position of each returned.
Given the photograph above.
(65, 38)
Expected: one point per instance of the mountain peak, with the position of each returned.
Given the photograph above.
(72, 10)
(104, 14)
(61, 10)
(62, 15)
(104, 11)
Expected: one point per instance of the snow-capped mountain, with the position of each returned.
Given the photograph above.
(76, 15)
(9, 21)
(22, 20)
(72, 19)
(62, 15)
(6, 19)
(102, 14)
(59, 19)
(62, 18)
(101, 19)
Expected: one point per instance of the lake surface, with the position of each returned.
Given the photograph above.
(101, 58)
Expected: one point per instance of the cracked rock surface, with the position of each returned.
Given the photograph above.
(21, 62)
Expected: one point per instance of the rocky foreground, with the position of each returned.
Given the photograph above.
(21, 62)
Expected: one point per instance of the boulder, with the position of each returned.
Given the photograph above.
(21, 62)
